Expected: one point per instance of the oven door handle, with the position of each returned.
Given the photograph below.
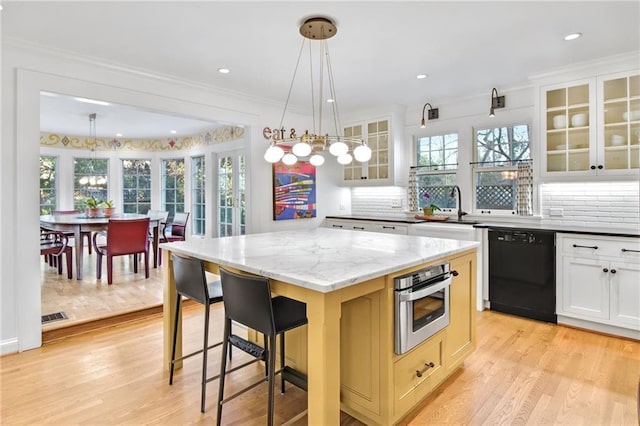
(415, 295)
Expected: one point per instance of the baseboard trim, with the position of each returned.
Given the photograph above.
(49, 336)
(8, 346)
(59, 333)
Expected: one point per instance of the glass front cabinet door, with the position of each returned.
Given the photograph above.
(379, 168)
(619, 125)
(592, 127)
(569, 127)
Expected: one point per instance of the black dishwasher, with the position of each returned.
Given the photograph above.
(522, 273)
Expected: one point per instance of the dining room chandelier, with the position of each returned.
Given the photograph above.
(92, 179)
(313, 144)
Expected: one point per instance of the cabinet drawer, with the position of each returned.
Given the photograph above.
(390, 228)
(594, 247)
(414, 377)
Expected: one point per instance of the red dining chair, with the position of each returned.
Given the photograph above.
(55, 244)
(178, 231)
(84, 234)
(123, 237)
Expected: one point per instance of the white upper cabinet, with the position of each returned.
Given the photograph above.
(377, 135)
(382, 129)
(592, 126)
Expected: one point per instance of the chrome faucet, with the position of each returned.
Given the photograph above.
(453, 192)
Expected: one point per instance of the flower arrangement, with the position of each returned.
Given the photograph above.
(430, 208)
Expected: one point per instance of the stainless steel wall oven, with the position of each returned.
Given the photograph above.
(421, 305)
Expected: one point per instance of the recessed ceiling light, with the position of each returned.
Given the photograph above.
(572, 36)
(91, 101)
(331, 100)
(173, 132)
(223, 70)
(118, 135)
(421, 76)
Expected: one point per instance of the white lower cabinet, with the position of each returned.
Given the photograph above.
(599, 283)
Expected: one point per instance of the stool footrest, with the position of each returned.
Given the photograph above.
(295, 377)
(247, 346)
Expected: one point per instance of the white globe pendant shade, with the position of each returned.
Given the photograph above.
(301, 149)
(273, 154)
(345, 159)
(289, 159)
(362, 153)
(338, 148)
(317, 160)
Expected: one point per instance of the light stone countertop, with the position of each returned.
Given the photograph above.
(320, 259)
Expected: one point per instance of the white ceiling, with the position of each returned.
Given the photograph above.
(466, 48)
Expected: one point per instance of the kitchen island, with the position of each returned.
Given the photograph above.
(331, 270)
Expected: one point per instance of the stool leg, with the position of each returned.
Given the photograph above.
(272, 369)
(282, 363)
(205, 345)
(175, 337)
(223, 368)
(266, 351)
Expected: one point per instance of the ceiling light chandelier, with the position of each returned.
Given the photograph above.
(313, 144)
(92, 179)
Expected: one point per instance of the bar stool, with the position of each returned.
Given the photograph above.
(247, 300)
(191, 282)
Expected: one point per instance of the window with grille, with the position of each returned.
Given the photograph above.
(173, 186)
(48, 194)
(136, 186)
(90, 179)
(503, 176)
(437, 164)
(198, 194)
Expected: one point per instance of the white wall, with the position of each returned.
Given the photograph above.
(25, 72)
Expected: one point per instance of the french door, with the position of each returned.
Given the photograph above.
(231, 194)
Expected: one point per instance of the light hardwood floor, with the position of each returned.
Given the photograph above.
(90, 299)
(523, 372)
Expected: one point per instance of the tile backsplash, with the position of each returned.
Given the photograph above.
(602, 204)
(379, 201)
(596, 204)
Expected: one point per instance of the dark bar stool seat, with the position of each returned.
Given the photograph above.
(247, 300)
(191, 282)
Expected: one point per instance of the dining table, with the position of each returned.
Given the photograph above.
(79, 223)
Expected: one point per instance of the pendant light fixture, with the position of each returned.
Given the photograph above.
(313, 144)
(92, 179)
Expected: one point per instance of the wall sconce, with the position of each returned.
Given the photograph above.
(431, 115)
(496, 102)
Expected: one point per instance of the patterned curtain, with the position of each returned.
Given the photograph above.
(412, 192)
(525, 189)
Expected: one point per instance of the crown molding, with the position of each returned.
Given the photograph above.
(613, 63)
(68, 55)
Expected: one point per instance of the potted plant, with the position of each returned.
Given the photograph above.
(107, 208)
(92, 209)
(430, 208)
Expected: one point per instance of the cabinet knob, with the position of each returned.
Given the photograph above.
(593, 167)
(419, 373)
(613, 271)
(600, 167)
(605, 270)
(454, 273)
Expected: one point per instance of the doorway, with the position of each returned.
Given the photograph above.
(231, 212)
